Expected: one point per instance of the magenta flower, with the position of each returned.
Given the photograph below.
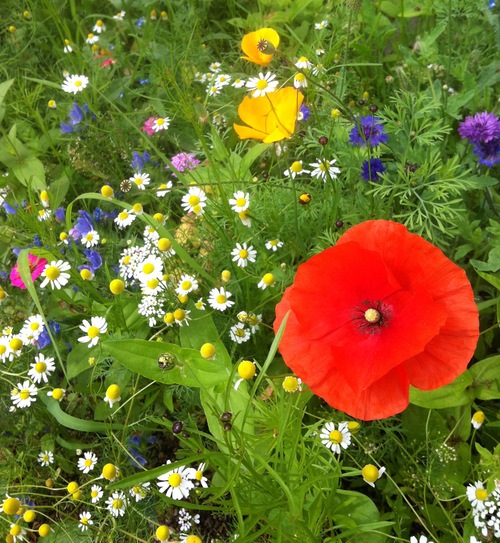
(36, 265)
(148, 126)
(184, 161)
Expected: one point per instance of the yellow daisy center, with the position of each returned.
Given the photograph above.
(240, 202)
(34, 326)
(194, 200)
(261, 84)
(40, 367)
(243, 253)
(52, 273)
(296, 167)
(78, 83)
(481, 494)
(123, 215)
(117, 504)
(148, 268)
(175, 480)
(186, 285)
(93, 332)
(221, 299)
(24, 394)
(335, 437)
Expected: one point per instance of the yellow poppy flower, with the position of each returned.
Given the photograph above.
(271, 117)
(259, 46)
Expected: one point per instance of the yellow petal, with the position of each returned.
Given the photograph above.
(244, 132)
(250, 41)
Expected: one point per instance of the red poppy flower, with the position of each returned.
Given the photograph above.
(380, 311)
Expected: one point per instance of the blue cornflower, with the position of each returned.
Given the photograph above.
(372, 169)
(94, 258)
(37, 242)
(483, 131)
(140, 22)
(60, 214)
(369, 131)
(76, 116)
(138, 161)
(304, 113)
(9, 209)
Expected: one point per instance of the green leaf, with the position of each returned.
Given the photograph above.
(4, 87)
(486, 378)
(141, 356)
(493, 264)
(30, 172)
(492, 279)
(74, 423)
(452, 395)
(250, 157)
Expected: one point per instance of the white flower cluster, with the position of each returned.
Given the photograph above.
(486, 515)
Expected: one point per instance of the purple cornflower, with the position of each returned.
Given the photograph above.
(76, 116)
(483, 131)
(139, 161)
(369, 131)
(184, 161)
(372, 169)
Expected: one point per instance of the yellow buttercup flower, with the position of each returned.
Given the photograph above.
(269, 118)
(259, 46)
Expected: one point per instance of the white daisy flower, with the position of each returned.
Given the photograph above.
(23, 395)
(194, 201)
(197, 475)
(187, 284)
(116, 504)
(149, 268)
(176, 483)
(91, 39)
(93, 330)
(273, 244)
(319, 52)
(295, 169)
(96, 493)
(238, 83)
(240, 201)
(477, 419)
(321, 25)
(41, 369)
(477, 494)
(55, 274)
(219, 299)
(262, 85)
(67, 47)
(90, 239)
(303, 64)
(162, 123)
(221, 80)
(164, 189)
(215, 67)
(323, 167)
(44, 214)
(199, 77)
(371, 474)
(239, 333)
(421, 539)
(335, 439)
(85, 521)
(267, 280)
(74, 83)
(139, 491)
(32, 328)
(119, 16)
(242, 254)
(99, 27)
(46, 458)
(141, 180)
(88, 462)
(124, 218)
(299, 81)
(213, 90)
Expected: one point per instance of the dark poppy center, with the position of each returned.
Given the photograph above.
(370, 317)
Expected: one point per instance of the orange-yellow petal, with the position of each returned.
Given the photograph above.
(250, 41)
(244, 132)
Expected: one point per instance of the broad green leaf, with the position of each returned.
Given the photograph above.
(4, 87)
(30, 172)
(492, 279)
(141, 356)
(486, 378)
(251, 155)
(452, 395)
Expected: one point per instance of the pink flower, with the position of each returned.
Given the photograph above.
(108, 62)
(148, 126)
(184, 161)
(36, 265)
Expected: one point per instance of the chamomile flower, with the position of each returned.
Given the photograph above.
(371, 474)
(421, 539)
(32, 328)
(41, 369)
(23, 395)
(74, 83)
(150, 268)
(215, 67)
(17, 533)
(321, 25)
(267, 280)
(176, 483)
(239, 333)
(91, 39)
(67, 47)
(197, 475)
(246, 370)
(88, 462)
(221, 80)
(194, 201)
(164, 189)
(324, 168)
(113, 395)
(46, 458)
(200, 305)
(319, 52)
(262, 85)
(182, 317)
(213, 90)
(90, 239)
(124, 218)
(299, 80)
(119, 16)
(141, 180)
(476, 421)
(85, 521)
(303, 64)
(55, 274)
(218, 298)
(477, 494)
(240, 201)
(238, 83)
(44, 214)
(190, 538)
(96, 493)
(273, 244)
(99, 27)
(93, 330)
(187, 284)
(56, 394)
(116, 504)
(162, 123)
(139, 491)
(295, 169)
(318, 69)
(254, 321)
(335, 439)
(243, 254)
(291, 384)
